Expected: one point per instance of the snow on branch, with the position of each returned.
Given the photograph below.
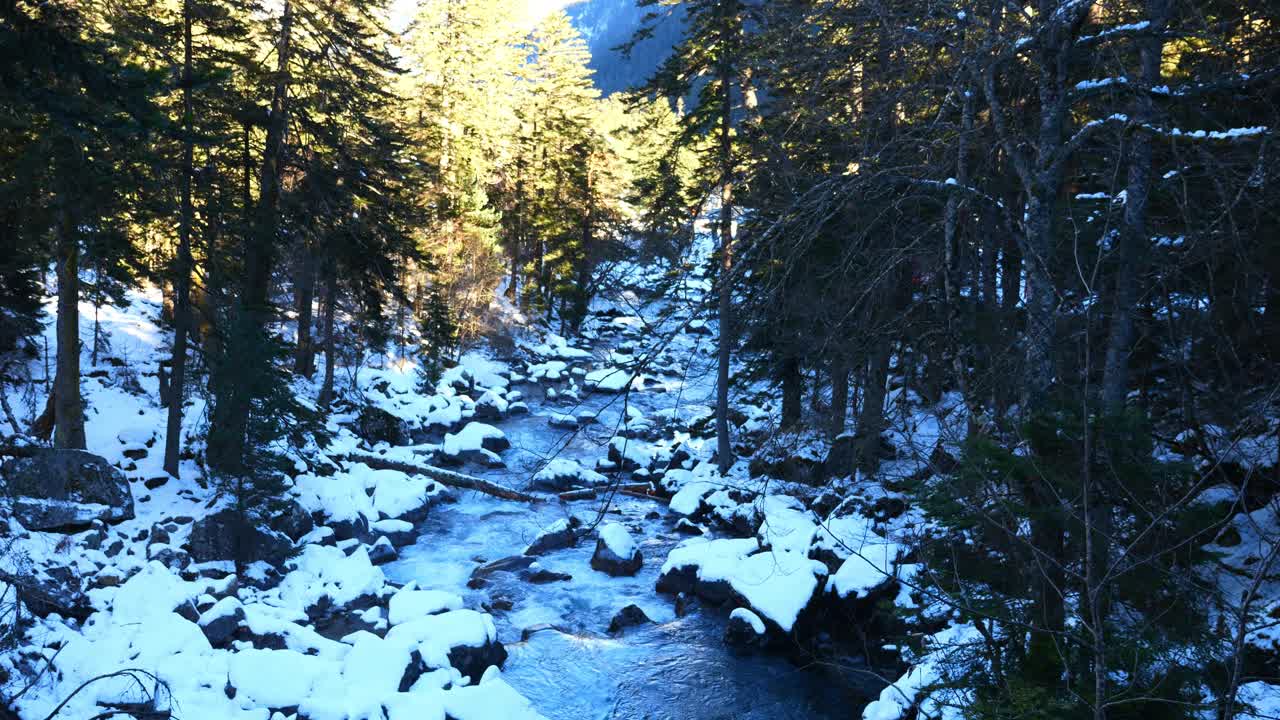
(1087, 131)
(1126, 30)
(1231, 134)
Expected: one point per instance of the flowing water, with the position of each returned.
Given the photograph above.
(569, 665)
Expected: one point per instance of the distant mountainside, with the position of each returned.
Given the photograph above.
(606, 24)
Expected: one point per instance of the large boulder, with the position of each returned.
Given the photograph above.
(292, 520)
(629, 616)
(616, 552)
(377, 425)
(66, 490)
(227, 535)
(556, 536)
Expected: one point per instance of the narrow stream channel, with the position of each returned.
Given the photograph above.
(569, 665)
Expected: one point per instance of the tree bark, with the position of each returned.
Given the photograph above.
(871, 418)
(182, 266)
(724, 449)
(330, 309)
(68, 418)
(960, 348)
(792, 392)
(304, 288)
(839, 396)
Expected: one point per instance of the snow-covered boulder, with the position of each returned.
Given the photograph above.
(382, 552)
(376, 425)
(476, 442)
(616, 552)
(399, 532)
(776, 585)
(560, 534)
(563, 474)
(562, 421)
(409, 604)
(463, 639)
(491, 406)
(66, 490)
(608, 380)
(228, 535)
(220, 622)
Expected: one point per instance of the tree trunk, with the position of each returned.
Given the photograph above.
(68, 417)
(304, 288)
(1133, 235)
(792, 392)
(871, 418)
(951, 280)
(839, 396)
(442, 476)
(182, 266)
(724, 450)
(330, 309)
(1115, 378)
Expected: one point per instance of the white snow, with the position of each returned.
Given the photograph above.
(869, 566)
(471, 437)
(751, 619)
(561, 468)
(409, 604)
(610, 379)
(618, 540)
(777, 585)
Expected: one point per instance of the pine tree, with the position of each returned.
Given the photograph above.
(79, 110)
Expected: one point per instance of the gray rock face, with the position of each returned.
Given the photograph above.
(66, 490)
(219, 627)
(382, 552)
(292, 520)
(225, 535)
(629, 616)
(377, 425)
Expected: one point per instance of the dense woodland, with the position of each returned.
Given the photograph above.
(1056, 220)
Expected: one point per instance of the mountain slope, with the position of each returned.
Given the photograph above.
(606, 24)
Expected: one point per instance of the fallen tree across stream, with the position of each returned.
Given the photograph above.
(442, 476)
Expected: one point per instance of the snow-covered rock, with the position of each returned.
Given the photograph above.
(560, 534)
(55, 489)
(472, 442)
(409, 604)
(563, 474)
(376, 424)
(608, 380)
(616, 552)
(746, 630)
(776, 585)
(229, 535)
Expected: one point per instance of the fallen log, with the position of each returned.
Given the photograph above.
(593, 493)
(647, 494)
(442, 476)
